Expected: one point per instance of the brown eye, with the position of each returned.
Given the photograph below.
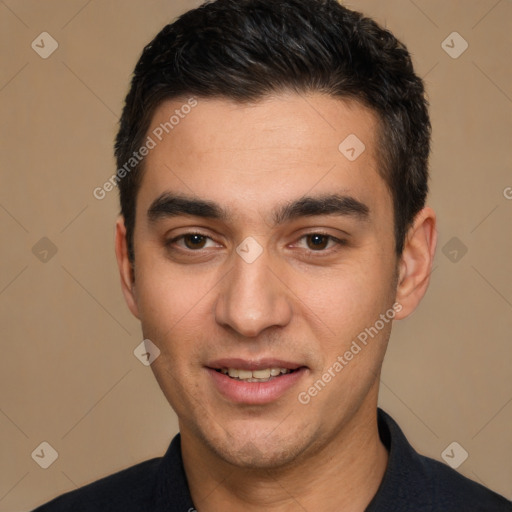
(317, 242)
(195, 241)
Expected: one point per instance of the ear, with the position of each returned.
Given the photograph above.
(415, 264)
(125, 267)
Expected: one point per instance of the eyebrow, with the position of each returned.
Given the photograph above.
(169, 205)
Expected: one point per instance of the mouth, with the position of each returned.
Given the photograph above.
(255, 382)
(264, 375)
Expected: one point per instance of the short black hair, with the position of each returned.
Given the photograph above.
(245, 50)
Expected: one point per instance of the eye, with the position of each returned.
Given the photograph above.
(319, 242)
(192, 241)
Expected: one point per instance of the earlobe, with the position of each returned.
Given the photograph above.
(415, 264)
(125, 266)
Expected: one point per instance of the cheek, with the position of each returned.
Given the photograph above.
(358, 290)
(172, 306)
(169, 299)
(341, 305)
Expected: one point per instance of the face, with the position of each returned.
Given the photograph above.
(262, 251)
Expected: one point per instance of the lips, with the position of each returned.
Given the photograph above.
(254, 381)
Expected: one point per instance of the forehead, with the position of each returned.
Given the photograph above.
(252, 155)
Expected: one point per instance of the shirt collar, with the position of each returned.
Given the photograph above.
(171, 492)
(405, 472)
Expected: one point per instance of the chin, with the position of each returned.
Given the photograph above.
(254, 456)
(258, 450)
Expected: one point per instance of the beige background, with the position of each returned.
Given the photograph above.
(68, 373)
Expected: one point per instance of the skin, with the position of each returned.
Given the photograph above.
(295, 302)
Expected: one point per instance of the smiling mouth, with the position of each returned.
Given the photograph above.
(263, 375)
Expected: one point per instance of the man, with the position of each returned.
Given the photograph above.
(272, 162)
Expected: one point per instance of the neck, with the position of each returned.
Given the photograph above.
(343, 474)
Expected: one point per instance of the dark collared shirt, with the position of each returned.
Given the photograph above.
(411, 483)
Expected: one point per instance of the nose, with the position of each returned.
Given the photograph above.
(252, 298)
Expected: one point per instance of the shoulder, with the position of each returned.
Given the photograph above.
(127, 490)
(415, 482)
(453, 491)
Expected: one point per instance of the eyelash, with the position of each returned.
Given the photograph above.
(337, 241)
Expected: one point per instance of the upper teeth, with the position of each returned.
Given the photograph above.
(254, 374)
